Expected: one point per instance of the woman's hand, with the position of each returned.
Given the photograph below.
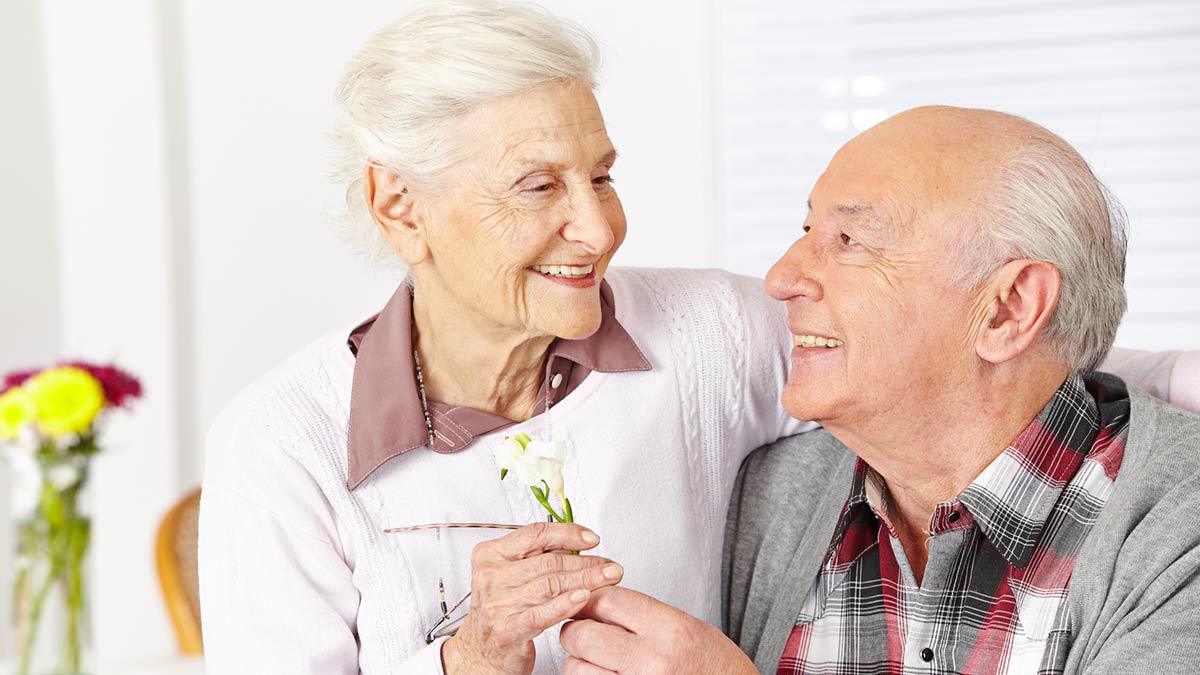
(522, 584)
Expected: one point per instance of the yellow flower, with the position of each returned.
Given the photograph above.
(16, 410)
(67, 400)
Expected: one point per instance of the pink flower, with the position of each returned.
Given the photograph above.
(16, 379)
(119, 386)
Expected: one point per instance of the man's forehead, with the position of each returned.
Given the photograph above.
(861, 211)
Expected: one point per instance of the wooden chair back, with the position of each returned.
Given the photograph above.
(175, 553)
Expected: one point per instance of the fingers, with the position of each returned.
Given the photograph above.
(553, 563)
(540, 617)
(633, 611)
(599, 644)
(554, 584)
(539, 538)
(574, 666)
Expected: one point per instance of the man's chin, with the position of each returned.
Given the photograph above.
(804, 403)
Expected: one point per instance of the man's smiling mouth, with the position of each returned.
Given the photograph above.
(810, 341)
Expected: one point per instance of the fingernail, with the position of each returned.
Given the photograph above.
(612, 571)
(579, 595)
(590, 537)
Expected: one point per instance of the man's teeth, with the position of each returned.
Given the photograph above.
(815, 341)
(570, 271)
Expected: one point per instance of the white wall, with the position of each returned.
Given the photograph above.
(28, 259)
(112, 166)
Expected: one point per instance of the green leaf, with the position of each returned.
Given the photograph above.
(568, 514)
(523, 438)
(503, 473)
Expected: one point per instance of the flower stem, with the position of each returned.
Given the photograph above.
(35, 616)
(544, 500)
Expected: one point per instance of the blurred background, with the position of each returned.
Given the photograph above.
(162, 175)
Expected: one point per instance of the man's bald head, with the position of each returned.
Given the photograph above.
(1003, 188)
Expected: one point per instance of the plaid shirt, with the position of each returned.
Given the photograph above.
(994, 594)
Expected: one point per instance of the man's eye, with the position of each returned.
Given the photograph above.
(806, 228)
(603, 181)
(543, 187)
(847, 241)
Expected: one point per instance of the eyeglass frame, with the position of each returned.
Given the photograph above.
(437, 630)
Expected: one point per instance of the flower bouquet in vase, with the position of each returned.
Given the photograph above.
(50, 422)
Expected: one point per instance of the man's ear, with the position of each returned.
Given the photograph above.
(392, 205)
(1021, 297)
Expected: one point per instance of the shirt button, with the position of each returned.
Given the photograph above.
(556, 380)
(927, 655)
(954, 517)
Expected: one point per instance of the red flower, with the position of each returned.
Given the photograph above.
(119, 386)
(17, 379)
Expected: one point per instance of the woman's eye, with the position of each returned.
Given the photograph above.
(847, 241)
(543, 187)
(604, 181)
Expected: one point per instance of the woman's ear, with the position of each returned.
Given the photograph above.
(1021, 299)
(393, 207)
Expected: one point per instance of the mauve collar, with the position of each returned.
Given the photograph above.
(386, 419)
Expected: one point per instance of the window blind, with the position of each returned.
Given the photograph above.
(1118, 79)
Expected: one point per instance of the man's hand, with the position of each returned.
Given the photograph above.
(623, 631)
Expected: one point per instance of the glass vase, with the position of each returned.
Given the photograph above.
(51, 631)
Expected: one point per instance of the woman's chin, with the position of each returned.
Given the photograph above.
(575, 325)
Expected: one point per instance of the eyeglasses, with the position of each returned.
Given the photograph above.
(447, 624)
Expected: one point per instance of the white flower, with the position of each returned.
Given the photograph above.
(533, 461)
(555, 450)
(506, 453)
(66, 442)
(28, 439)
(63, 476)
(25, 481)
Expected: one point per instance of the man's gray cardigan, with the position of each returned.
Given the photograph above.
(1134, 595)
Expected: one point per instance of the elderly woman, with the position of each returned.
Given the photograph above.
(475, 151)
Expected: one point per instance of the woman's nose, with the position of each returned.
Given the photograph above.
(791, 276)
(587, 222)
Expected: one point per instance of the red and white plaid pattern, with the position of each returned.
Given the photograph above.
(994, 594)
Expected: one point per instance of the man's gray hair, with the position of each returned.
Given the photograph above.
(404, 88)
(1044, 203)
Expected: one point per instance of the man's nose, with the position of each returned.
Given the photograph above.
(791, 277)
(587, 222)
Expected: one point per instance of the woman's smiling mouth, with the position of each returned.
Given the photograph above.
(565, 271)
(574, 276)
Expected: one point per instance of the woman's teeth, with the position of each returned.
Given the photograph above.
(807, 341)
(569, 271)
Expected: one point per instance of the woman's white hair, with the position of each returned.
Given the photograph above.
(1045, 203)
(400, 93)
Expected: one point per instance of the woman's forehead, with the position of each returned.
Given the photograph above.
(553, 124)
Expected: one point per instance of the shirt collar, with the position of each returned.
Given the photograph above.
(386, 417)
(1012, 498)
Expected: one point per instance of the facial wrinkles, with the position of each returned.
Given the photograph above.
(528, 222)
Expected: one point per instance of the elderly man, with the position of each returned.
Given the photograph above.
(1009, 510)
